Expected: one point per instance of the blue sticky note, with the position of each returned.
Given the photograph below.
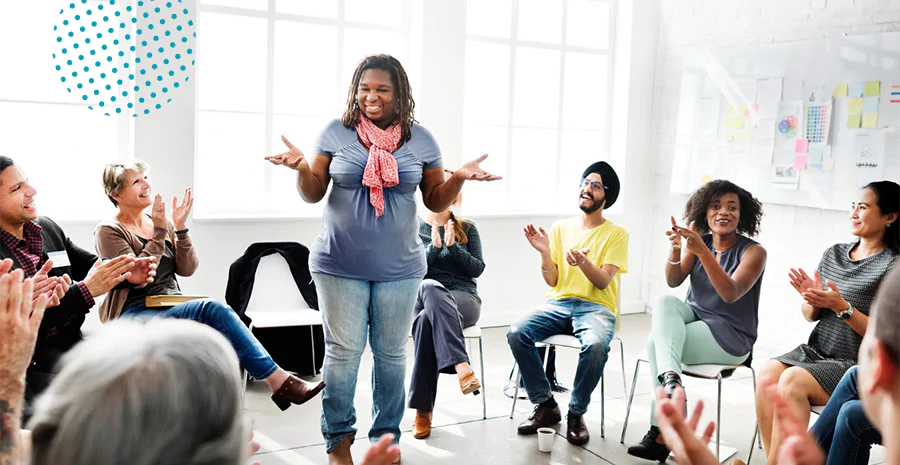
(870, 105)
(857, 89)
(815, 156)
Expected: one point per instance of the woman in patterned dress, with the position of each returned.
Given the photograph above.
(837, 295)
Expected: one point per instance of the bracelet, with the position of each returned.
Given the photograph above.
(674, 263)
(183, 231)
(548, 270)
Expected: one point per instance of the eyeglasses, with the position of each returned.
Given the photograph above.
(595, 186)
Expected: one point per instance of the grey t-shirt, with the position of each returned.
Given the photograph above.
(732, 325)
(353, 242)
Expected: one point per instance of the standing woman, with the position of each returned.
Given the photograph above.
(448, 301)
(367, 261)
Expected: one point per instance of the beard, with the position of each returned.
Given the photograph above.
(594, 205)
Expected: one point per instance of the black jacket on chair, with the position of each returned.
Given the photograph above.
(289, 347)
(61, 327)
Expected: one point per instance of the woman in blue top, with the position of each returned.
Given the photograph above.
(716, 323)
(367, 261)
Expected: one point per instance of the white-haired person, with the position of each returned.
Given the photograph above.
(133, 231)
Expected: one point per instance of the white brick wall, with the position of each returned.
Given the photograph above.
(793, 236)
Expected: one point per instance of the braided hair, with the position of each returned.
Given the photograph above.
(404, 105)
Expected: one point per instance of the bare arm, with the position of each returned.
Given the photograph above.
(601, 276)
(312, 182)
(551, 277)
(811, 313)
(438, 194)
(676, 274)
(732, 288)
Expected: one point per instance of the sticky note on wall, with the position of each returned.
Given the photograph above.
(853, 121)
(841, 90)
(857, 89)
(870, 105)
(870, 120)
(800, 162)
(854, 106)
(802, 146)
(873, 88)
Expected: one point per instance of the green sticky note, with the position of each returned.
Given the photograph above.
(870, 120)
(853, 121)
(873, 88)
(841, 90)
(854, 106)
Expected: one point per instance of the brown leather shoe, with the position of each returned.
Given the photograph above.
(341, 454)
(421, 427)
(577, 430)
(540, 418)
(295, 391)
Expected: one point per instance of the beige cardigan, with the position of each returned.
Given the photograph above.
(112, 239)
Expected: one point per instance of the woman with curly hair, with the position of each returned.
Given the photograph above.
(368, 261)
(716, 323)
(838, 296)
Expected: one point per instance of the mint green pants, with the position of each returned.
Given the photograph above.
(677, 337)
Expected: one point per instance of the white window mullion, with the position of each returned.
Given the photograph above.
(270, 99)
(514, 30)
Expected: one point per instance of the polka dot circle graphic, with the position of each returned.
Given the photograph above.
(124, 59)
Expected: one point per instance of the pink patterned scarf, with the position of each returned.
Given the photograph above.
(381, 167)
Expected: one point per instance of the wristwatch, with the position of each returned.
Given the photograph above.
(846, 314)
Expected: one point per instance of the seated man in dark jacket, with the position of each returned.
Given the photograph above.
(72, 276)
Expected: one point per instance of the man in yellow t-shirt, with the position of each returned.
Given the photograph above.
(581, 260)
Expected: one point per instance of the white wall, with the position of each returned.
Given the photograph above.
(511, 284)
(794, 237)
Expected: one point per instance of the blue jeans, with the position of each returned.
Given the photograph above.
(593, 325)
(250, 352)
(842, 430)
(352, 311)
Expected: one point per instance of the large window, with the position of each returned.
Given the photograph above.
(50, 133)
(273, 67)
(537, 99)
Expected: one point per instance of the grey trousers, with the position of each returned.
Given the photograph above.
(437, 334)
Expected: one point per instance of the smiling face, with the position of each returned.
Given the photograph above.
(136, 192)
(866, 219)
(376, 95)
(17, 205)
(724, 214)
(591, 196)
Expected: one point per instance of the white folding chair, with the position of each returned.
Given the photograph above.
(276, 302)
(705, 371)
(470, 334)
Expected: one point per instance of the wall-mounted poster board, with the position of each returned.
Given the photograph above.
(801, 123)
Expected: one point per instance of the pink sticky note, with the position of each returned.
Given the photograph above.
(800, 162)
(802, 147)
(755, 108)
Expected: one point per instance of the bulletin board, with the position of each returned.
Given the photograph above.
(802, 123)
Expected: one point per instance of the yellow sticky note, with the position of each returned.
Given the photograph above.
(870, 120)
(853, 121)
(742, 110)
(873, 88)
(705, 179)
(739, 123)
(731, 110)
(854, 105)
(841, 90)
(828, 164)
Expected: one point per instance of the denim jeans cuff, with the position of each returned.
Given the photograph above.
(332, 443)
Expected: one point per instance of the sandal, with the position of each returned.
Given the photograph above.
(421, 428)
(469, 384)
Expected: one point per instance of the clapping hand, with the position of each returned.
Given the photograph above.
(695, 244)
(538, 238)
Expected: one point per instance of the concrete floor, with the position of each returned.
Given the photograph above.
(460, 435)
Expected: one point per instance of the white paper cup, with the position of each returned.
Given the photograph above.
(545, 439)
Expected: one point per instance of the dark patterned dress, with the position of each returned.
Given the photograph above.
(833, 346)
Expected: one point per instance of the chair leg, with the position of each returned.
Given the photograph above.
(756, 435)
(622, 356)
(637, 367)
(244, 374)
(483, 385)
(515, 394)
(312, 342)
(603, 406)
(719, 416)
